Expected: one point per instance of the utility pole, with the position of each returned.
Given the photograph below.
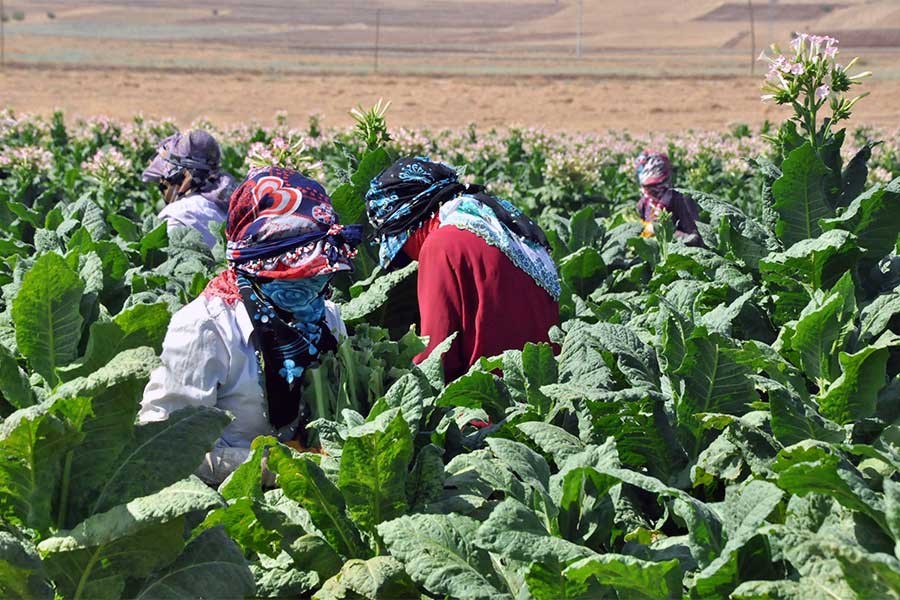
(771, 36)
(377, 35)
(579, 29)
(752, 39)
(2, 36)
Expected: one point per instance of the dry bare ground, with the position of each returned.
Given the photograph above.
(645, 64)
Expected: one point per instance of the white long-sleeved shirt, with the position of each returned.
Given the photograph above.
(209, 359)
(194, 211)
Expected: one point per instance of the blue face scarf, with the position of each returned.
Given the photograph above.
(289, 322)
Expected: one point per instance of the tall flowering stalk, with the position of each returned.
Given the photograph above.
(809, 78)
(291, 153)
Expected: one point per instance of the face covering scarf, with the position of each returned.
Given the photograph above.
(289, 321)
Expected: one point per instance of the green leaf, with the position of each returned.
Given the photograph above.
(246, 480)
(641, 578)
(713, 381)
(853, 395)
(113, 394)
(585, 510)
(21, 572)
(153, 241)
(304, 482)
(439, 554)
(372, 476)
(409, 394)
(171, 449)
(871, 575)
(812, 466)
(390, 296)
(883, 313)
(14, 385)
(514, 531)
(476, 389)
(125, 227)
(583, 270)
(546, 582)
(870, 217)
(853, 179)
(210, 566)
(378, 577)
(131, 540)
(250, 525)
(552, 440)
(432, 367)
(425, 482)
(808, 265)
(821, 331)
(529, 466)
(800, 196)
(46, 315)
(539, 368)
(785, 589)
(32, 444)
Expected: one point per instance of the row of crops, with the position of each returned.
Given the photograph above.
(719, 422)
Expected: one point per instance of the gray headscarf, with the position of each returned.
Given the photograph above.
(199, 153)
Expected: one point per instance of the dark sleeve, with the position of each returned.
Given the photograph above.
(641, 208)
(440, 307)
(685, 214)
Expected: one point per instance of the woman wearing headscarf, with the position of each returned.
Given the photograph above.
(484, 267)
(654, 174)
(244, 344)
(195, 189)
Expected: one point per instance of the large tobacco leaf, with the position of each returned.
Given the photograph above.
(46, 315)
(440, 554)
(373, 472)
(304, 482)
(103, 405)
(210, 566)
(799, 194)
(33, 443)
(95, 559)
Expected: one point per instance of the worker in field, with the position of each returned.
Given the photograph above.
(654, 174)
(195, 189)
(484, 267)
(244, 344)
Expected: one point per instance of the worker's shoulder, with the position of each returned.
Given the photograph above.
(451, 240)
(203, 312)
(192, 205)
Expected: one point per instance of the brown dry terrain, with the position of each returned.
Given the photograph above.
(643, 64)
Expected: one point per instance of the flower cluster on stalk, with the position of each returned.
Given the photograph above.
(108, 167)
(808, 78)
(26, 159)
(291, 153)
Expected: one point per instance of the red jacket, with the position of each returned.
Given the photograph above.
(469, 286)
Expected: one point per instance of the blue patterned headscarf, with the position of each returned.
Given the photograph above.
(403, 197)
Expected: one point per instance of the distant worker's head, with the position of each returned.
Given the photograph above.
(184, 162)
(654, 171)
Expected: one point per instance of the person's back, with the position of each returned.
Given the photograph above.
(469, 286)
(197, 212)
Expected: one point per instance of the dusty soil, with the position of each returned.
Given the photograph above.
(574, 104)
(645, 64)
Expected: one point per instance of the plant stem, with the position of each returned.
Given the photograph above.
(64, 492)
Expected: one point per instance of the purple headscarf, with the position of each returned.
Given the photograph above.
(199, 153)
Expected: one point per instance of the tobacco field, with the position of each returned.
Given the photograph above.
(719, 422)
